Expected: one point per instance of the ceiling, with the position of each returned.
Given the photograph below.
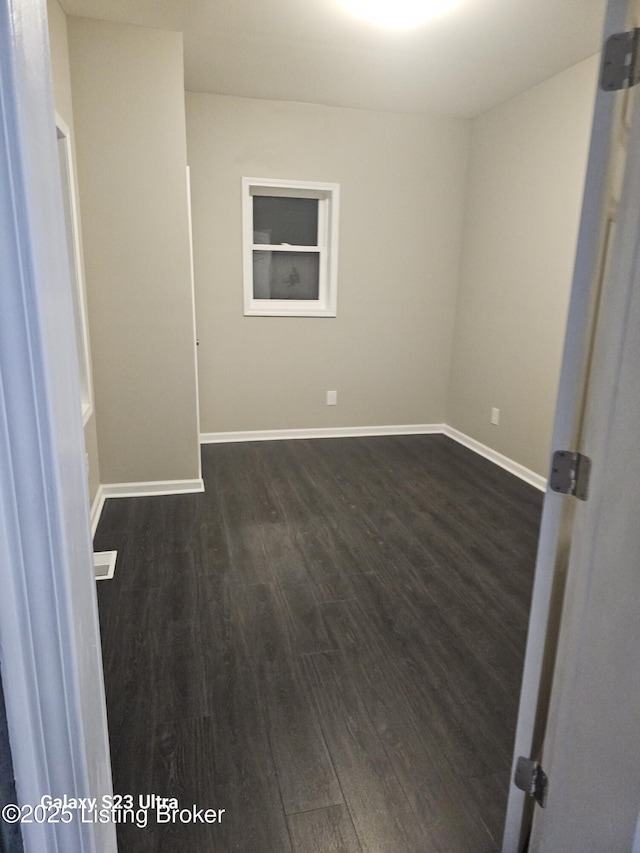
(463, 63)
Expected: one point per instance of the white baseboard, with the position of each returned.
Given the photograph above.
(503, 461)
(155, 487)
(96, 510)
(181, 487)
(514, 468)
(140, 490)
(321, 432)
(104, 564)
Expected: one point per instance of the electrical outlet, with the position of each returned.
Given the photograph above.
(495, 416)
(332, 398)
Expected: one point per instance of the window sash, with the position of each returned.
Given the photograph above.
(327, 196)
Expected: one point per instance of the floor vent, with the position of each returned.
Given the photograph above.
(104, 563)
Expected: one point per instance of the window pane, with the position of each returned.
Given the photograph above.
(286, 275)
(285, 220)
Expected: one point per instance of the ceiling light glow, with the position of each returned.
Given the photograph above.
(398, 14)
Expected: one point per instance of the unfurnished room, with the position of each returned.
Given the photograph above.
(318, 374)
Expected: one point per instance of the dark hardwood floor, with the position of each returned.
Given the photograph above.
(327, 644)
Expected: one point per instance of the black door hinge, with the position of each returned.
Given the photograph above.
(531, 778)
(570, 474)
(620, 62)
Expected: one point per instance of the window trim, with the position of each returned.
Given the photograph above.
(328, 195)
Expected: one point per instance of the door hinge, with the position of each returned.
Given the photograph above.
(620, 64)
(531, 778)
(570, 474)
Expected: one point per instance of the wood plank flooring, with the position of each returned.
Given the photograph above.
(327, 644)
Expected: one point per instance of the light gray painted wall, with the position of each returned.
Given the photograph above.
(128, 102)
(528, 161)
(387, 353)
(404, 185)
(62, 95)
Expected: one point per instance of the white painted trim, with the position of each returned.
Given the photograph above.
(145, 490)
(328, 197)
(193, 314)
(321, 432)
(104, 564)
(49, 632)
(96, 509)
(77, 264)
(179, 487)
(139, 490)
(553, 539)
(509, 465)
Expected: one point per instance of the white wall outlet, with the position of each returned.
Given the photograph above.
(332, 398)
(495, 416)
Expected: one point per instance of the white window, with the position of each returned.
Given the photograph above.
(290, 246)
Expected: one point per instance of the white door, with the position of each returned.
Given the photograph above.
(584, 644)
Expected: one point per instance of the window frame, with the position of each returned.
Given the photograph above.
(328, 196)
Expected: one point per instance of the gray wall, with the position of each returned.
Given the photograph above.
(454, 273)
(387, 353)
(528, 161)
(62, 95)
(128, 102)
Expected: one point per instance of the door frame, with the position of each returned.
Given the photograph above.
(550, 570)
(592, 725)
(49, 636)
(196, 342)
(72, 219)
